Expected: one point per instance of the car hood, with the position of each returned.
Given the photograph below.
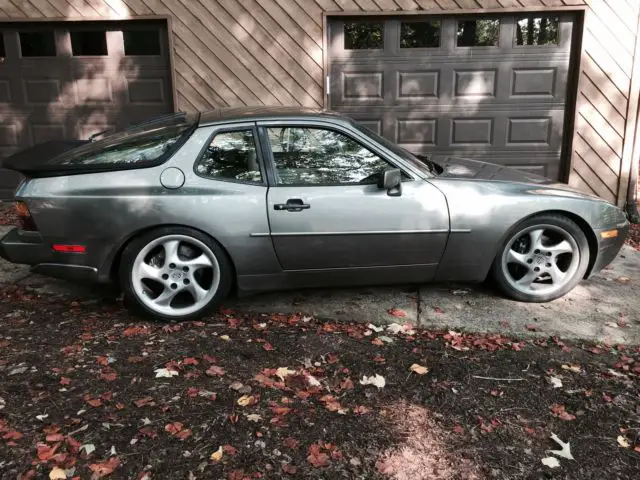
(463, 168)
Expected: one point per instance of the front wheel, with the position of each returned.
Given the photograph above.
(542, 259)
(175, 273)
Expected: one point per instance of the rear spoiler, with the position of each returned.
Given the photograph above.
(34, 159)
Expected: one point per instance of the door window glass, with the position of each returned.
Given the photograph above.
(231, 156)
(316, 156)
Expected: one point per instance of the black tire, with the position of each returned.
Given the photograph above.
(131, 251)
(557, 220)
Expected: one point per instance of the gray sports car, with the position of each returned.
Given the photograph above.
(183, 209)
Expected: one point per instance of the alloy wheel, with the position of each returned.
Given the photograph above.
(175, 275)
(540, 260)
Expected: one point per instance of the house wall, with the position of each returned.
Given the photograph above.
(246, 52)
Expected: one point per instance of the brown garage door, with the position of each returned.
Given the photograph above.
(489, 88)
(70, 80)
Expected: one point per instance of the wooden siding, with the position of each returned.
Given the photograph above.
(244, 52)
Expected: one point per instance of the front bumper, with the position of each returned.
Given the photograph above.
(29, 248)
(608, 248)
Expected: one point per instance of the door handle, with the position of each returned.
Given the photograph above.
(292, 205)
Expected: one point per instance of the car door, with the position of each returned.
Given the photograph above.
(327, 213)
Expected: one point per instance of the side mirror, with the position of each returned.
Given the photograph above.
(391, 181)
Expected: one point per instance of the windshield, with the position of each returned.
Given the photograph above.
(399, 151)
(144, 144)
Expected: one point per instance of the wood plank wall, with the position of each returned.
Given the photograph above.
(247, 52)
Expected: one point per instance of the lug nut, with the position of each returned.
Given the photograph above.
(537, 269)
(165, 276)
(536, 251)
(548, 254)
(529, 261)
(172, 265)
(174, 286)
(548, 265)
(185, 269)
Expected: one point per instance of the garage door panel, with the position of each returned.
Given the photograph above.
(503, 103)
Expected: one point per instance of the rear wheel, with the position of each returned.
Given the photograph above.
(175, 273)
(542, 259)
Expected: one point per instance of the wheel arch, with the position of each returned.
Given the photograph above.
(592, 239)
(109, 269)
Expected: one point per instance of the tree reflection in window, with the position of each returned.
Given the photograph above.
(478, 33)
(363, 35)
(231, 156)
(537, 31)
(420, 34)
(315, 156)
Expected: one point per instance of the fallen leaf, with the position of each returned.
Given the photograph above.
(395, 328)
(566, 448)
(88, 448)
(65, 381)
(289, 469)
(12, 435)
(623, 442)
(143, 401)
(316, 457)
(267, 346)
(623, 280)
(291, 443)
(371, 326)
(361, 410)
(376, 380)
(386, 339)
(217, 455)
(551, 462)
(105, 468)
(532, 328)
(166, 373)
(54, 437)
(226, 338)
(190, 361)
(57, 473)
(254, 417)
(246, 400)
(555, 382)
(215, 370)
(397, 312)
(572, 368)
(283, 372)
(560, 412)
(419, 369)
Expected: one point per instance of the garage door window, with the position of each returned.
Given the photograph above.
(89, 43)
(420, 34)
(141, 42)
(539, 31)
(478, 33)
(38, 44)
(363, 36)
(2, 52)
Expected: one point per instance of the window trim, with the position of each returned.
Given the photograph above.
(259, 154)
(264, 125)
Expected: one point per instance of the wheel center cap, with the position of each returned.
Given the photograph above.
(540, 259)
(176, 275)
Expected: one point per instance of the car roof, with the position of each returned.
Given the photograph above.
(253, 114)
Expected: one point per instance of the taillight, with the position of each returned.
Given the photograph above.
(24, 215)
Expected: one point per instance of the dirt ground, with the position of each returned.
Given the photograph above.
(86, 391)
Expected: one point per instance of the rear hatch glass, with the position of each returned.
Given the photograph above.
(140, 146)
